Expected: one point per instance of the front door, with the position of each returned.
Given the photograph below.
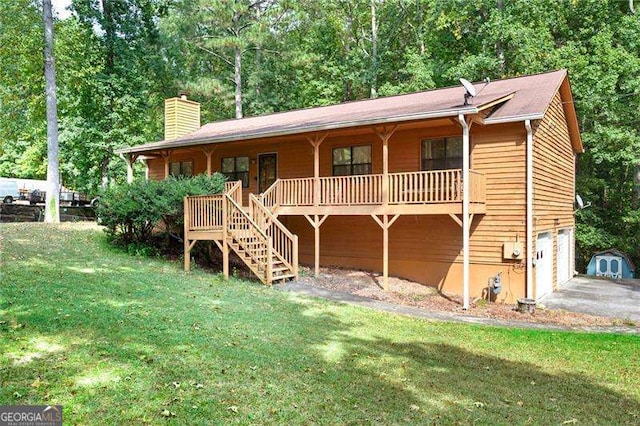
(267, 171)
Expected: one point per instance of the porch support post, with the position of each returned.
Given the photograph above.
(129, 171)
(129, 159)
(146, 168)
(315, 141)
(385, 135)
(316, 222)
(465, 211)
(385, 224)
(165, 157)
(209, 152)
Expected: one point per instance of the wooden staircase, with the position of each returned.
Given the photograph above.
(263, 243)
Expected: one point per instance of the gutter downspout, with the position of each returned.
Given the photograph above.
(529, 289)
(466, 226)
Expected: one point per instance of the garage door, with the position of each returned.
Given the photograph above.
(544, 264)
(563, 267)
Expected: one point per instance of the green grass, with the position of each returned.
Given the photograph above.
(120, 339)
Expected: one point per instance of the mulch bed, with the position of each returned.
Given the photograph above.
(410, 293)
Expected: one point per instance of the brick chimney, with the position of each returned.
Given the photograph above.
(181, 116)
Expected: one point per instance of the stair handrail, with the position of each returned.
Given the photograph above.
(289, 259)
(246, 216)
(234, 190)
(270, 216)
(269, 198)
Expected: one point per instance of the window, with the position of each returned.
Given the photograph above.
(352, 160)
(184, 168)
(443, 153)
(236, 168)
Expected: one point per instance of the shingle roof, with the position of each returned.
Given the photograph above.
(525, 97)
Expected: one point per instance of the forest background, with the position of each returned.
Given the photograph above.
(117, 60)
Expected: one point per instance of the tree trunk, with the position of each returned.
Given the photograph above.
(104, 170)
(52, 204)
(109, 27)
(237, 69)
(499, 45)
(374, 51)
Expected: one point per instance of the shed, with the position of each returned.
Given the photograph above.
(610, 263)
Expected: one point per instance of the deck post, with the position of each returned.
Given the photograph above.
(225, 244)
(187, 251)
(316, 222)
(466, 225)
(295, 257)
(385, 224)
(317, 247)
(385, 252)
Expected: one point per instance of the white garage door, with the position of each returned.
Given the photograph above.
(544, 264)
(563, 267)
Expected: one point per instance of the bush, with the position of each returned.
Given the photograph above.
(131, 212)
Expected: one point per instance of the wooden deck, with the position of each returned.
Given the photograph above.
(432, 192)
(270, 250)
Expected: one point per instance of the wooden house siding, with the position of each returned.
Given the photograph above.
(425, 248)
(553, 176)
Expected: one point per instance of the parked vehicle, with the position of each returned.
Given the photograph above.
(9, 191)
(36, 196)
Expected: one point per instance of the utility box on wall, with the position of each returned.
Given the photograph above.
(512, 251)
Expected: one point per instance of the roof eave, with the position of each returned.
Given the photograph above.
(298, 130)
(512, 119)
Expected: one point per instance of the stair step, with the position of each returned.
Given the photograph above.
(282, 277)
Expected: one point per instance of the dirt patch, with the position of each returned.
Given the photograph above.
(410, 293)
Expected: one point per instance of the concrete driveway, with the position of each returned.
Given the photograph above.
(596, 296)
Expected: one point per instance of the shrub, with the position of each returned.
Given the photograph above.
(130, 212)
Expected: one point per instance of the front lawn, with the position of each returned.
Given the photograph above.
(120, 339)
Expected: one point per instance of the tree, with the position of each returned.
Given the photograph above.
(52, 207)
(22, 96)
(224, 32)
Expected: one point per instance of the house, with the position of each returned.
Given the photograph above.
(611, 263)
(438, 186)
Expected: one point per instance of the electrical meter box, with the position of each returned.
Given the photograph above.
(512, 250)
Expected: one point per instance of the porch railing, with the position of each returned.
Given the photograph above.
(428, 187)
(204, 213)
